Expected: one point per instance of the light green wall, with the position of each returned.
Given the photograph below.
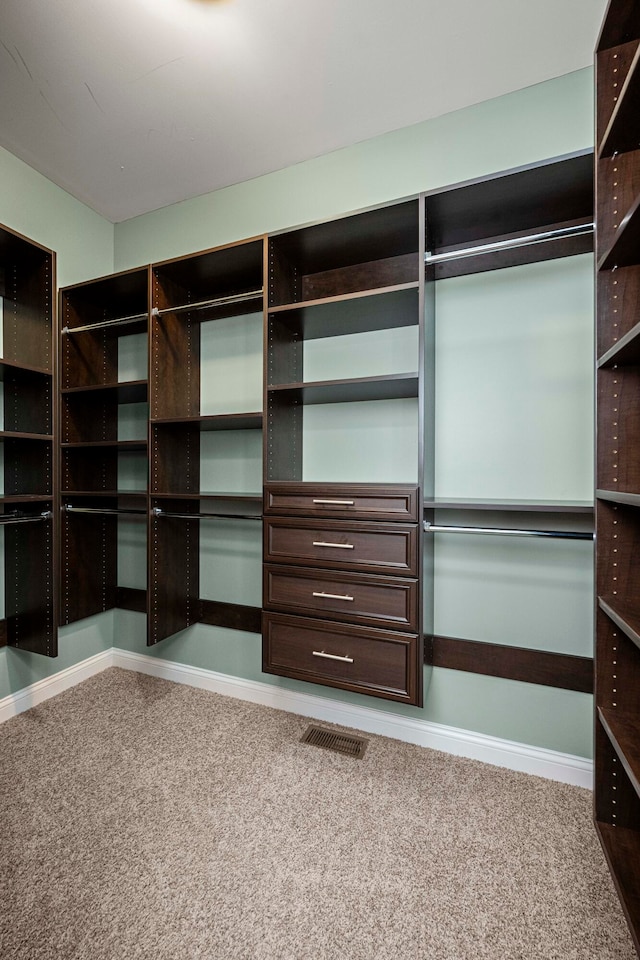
(41, 211)
(542, 121)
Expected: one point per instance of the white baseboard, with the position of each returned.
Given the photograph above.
(41, 690)
(539, 761)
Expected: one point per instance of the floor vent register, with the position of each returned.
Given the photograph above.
(338, 742)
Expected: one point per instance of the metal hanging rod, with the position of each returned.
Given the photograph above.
(203, 304)
(106, 323)
(32, 518)
(508, 532)
(106, 510)
(157, 512)
(528, 241)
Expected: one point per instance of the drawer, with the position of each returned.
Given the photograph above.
(370, 547)
(376, 662)
(365, 501)
(355, 597)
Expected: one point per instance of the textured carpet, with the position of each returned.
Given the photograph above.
(144, 819)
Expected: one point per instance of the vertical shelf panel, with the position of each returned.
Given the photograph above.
(617, 700)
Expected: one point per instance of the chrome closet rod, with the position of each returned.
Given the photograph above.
(528, 241)
(157, 512)
(508, 532)
(45, 515)
(105, 323)
(203, 304)
(106, 510)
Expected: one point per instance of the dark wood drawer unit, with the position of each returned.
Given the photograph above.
(362, 502)
(370, 547)
(354, 597)
(376, 662)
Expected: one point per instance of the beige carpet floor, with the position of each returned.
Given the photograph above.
(144, 819)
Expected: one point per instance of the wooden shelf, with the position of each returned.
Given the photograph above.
(222, 421)
(625, 352)
(137, 494)
(621, 134)
(11, 435)
(106, 444)
(510, 205)
(11, 366)
(26, 498)
(617, 496)
(393, 387)
(624, 250)
(625, 614)
(621, 24)
(132, 391)
(382, 309)
(621, 848)
(217, 495)
(517, 506)
(623, 731)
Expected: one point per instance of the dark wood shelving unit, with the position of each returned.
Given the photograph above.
(27, 374)
(617, 725)
(217, 284)
(94, 318)
(336, 587)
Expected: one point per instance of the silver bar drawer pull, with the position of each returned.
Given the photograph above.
(332, 656)
(333, 596)
(340, 546)
(336, 503)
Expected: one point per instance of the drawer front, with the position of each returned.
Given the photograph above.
(337, 500)
(356, 598)
(370, 547)
(376, 662)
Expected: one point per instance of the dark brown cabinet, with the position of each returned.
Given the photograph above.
(617, 721)
(27, 444)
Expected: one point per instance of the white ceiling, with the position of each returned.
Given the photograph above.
(134, 104)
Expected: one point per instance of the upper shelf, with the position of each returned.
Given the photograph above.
(362, 252)
(10, 368)
(621, 24)
(106, 302)
(625, 614)
(618, 496)
(623, 731)
(130, 391)
(515, 506)
(624, 249)
(217, 278)
(511, 206)
(395, 387)
(382, 309)
(623, 132)
(625, 351)
(222, 421)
